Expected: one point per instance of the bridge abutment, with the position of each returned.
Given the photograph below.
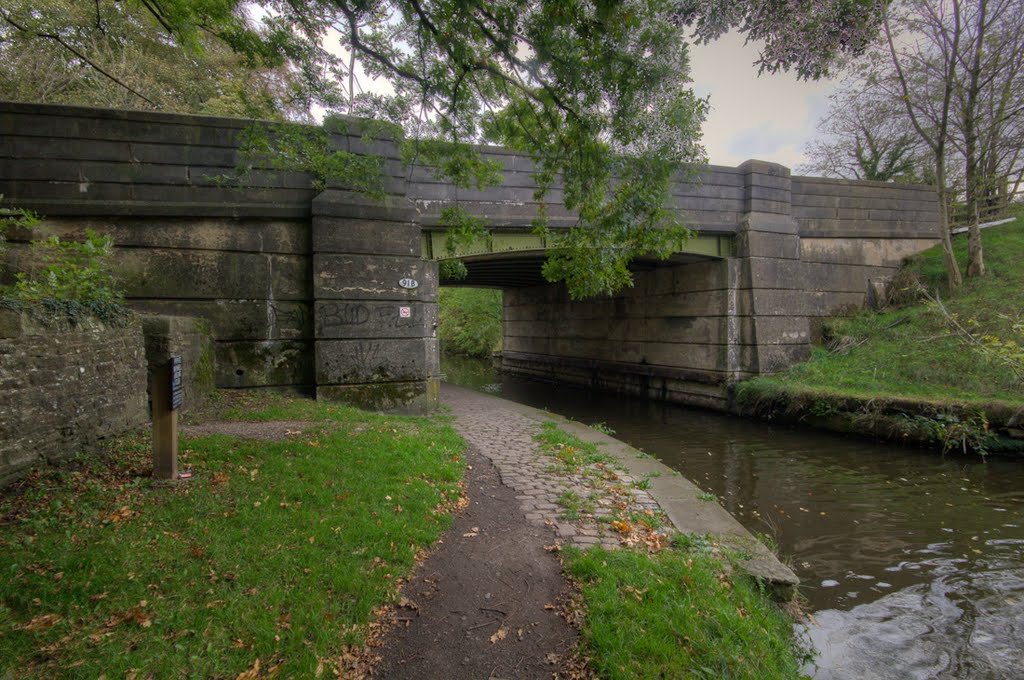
(374, 303)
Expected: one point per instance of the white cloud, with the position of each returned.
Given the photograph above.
(769, 117)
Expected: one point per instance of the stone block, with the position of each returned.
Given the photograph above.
(700, 357)
(340, 362)
(839, 278)
(872, 252)
(211, 275)
(241, 319)
(368, 237)
(770, 272)
(797, 303)
(418, 397)
(337, 319)
(267, 363)
(10, 324)
(706, 303)
(774, 330)
(354, 205)
(764, 244)
(255, 236)
(372, 277)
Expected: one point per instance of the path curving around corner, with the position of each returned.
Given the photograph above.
(487, 602)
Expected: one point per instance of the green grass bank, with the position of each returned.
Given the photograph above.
(672, 605)
(684, 612)
(276, 556)
(933, 367)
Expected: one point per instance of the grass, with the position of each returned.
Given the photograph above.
(573, 453)
(278, 552)
(910, 351)
(680, 613)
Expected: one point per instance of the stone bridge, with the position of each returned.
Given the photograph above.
(305, 289)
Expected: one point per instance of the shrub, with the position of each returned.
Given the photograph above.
(71, 278)
(470, 320)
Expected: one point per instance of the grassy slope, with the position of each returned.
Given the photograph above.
(909, 352)
(277, 551)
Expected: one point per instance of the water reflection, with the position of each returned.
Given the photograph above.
(913, 563)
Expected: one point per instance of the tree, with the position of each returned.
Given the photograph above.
(949, 73)
(865, 138)
(596, 91)
(117, 54)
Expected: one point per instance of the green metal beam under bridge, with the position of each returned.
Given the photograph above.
(513, 259)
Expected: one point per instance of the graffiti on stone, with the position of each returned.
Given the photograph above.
(336, 314)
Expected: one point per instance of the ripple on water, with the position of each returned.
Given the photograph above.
(949, 628)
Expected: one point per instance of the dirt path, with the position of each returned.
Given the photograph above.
(486, 601)
(486, 598)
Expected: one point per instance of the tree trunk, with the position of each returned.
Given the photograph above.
(975, 254)
(955, 278)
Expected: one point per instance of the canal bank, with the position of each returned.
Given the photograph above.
(501, 428)
(933, 367)
(908, 560)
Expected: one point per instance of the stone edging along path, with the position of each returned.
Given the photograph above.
(503, 432)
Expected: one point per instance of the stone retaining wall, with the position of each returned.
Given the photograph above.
(63, 388)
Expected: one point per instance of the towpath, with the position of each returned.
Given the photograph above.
(490, 601)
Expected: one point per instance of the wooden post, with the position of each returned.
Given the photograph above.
(165, 425)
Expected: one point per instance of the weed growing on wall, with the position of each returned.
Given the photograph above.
(71, 278)
(13, 218)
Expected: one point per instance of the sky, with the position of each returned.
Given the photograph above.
(768, 117)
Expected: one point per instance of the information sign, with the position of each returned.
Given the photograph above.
(177, 389)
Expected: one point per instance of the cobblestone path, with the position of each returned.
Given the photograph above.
(506, 437)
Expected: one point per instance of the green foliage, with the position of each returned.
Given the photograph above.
(13, 218)
(288, 147)
(952, 433)
(163, 55)
(469, 321)
(681, 613)
(461, 229)
(275, 550)
(70, 271)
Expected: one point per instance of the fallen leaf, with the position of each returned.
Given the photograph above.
(251, 674)
(549, 606)
(554, 547)
(41, 622)
(499, 635)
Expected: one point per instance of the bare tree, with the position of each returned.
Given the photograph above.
(925, 63)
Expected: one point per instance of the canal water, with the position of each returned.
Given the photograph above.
(912, 563)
